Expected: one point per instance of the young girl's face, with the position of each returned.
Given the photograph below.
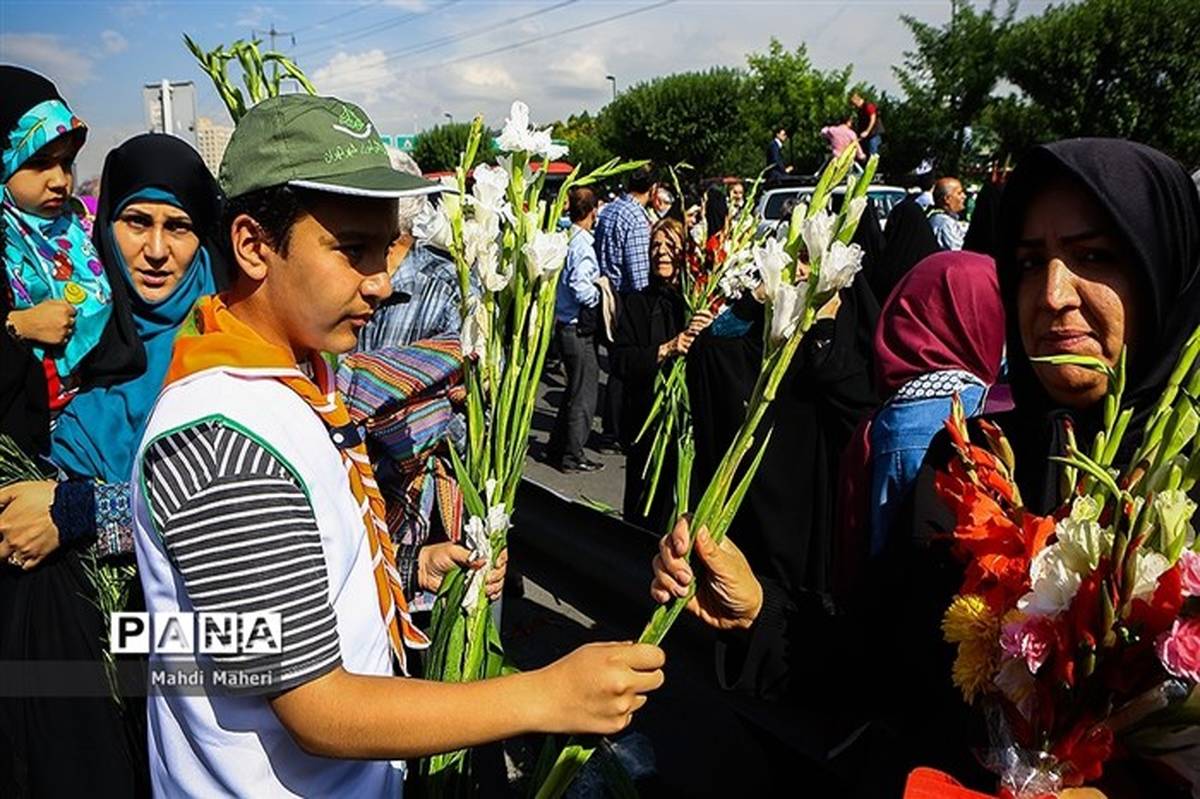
(43, 183)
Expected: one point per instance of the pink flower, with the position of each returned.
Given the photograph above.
(1189, 572)
(1179, 649)
(1031, 639)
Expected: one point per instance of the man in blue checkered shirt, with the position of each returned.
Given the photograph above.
(623, 249)
(623, 235)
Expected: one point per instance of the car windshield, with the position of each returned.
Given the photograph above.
(773, 209)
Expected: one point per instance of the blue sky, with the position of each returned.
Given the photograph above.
(410, 62)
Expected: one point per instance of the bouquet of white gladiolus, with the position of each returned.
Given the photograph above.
(504, 238)
(800, 281)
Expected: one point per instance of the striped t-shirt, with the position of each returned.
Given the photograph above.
(240, 531)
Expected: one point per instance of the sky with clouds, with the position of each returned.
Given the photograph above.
(412, 62)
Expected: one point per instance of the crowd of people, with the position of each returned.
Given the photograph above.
(182, 368)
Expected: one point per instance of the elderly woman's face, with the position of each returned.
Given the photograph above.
(158, 242)
(666, 248)
(1076, 291)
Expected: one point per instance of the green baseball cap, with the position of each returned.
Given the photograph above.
(319, 143)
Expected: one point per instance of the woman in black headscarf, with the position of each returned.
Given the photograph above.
(1098, 248)
(651, 331)
(907, 240)
(155, 232)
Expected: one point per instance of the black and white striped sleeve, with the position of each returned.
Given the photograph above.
(240, 530)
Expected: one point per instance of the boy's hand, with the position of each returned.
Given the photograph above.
(49, 323)
(598, 687)
(435, 561)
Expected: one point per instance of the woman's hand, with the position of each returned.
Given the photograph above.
(677, 346)
(435, 561)
(27, 531)
(598, 687)
(728, 597)
(49, 323)
(700, 320)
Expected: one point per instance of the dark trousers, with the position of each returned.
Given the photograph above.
(578, 405)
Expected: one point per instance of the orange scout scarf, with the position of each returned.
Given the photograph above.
(213, 338)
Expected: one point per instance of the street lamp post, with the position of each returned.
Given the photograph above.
(613, 80)
(449, 116)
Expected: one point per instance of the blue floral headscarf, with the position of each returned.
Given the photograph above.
(51, 259)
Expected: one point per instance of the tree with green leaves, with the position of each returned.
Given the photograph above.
(1112, 68)
(786, 89)
(693, 117)
(948, 82)
(437, 149)
(581, 134)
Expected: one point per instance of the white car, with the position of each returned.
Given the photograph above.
(775, 204)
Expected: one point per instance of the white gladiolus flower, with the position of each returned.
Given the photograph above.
(479, 236)
(855, 211)
(1174, 511)
(480, 537)
(517, 135)
(432, 226)
(475, 330)
(1081, 541)
(506, 163)
(1054, 584)
(490, 273)
(738, 276)
(787, 306)
(770, 260)
(541, 144)
(476, 532)
(491, 186)
(817, 232)
(839, 266)
(544, 253)
(1150, 566)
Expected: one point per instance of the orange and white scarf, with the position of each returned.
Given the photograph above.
(213, 338)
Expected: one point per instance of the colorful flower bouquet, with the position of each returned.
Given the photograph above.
(800, 280)
(508, 252)
(1079, 630)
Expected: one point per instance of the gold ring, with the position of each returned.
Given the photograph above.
(16, 560)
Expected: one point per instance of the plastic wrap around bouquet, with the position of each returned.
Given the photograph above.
(1079, 631)
(503, 236)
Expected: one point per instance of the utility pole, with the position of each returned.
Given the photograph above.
(273, 34)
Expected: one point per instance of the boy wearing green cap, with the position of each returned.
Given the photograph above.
(255, 497)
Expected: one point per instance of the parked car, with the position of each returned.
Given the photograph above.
(775, 204)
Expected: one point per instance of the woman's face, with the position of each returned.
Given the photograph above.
(1076, 291)
(158, 243)
(665, 250)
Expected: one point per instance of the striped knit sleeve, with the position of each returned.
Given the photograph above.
(240, 531)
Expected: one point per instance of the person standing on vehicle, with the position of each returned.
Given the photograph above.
(870, 124)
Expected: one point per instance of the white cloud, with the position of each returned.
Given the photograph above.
(134, 8)
(363, 78)
(254, 17)
(408, 5)
(113, 42)
(49, 54)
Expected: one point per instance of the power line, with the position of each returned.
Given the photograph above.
(372, 29)
(341, 15)
(543, 37)
(435, 44)
(532, 40)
